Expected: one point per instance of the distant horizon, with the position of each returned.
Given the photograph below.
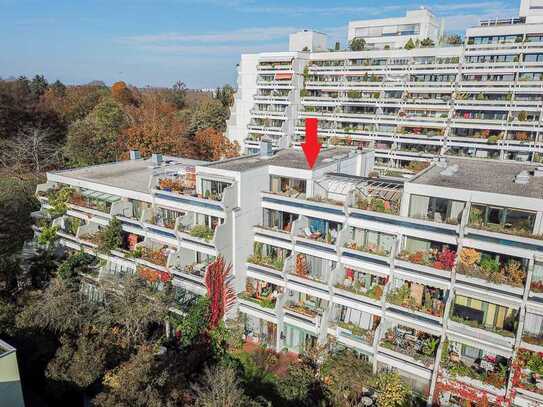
(157, 43)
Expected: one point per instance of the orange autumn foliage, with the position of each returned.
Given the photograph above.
(155, 127)
(122, 94)
(213, 145)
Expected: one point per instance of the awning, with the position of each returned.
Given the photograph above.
(283, 76)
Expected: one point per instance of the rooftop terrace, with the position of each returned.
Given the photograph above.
(483, 175)
(287, 158)
(133, 175)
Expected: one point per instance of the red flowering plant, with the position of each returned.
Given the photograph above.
(165, 277)
(149, 275)
(222, 295)
(446, 259)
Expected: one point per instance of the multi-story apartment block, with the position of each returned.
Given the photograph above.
(482, 98)
(391, 33)
(439, 276)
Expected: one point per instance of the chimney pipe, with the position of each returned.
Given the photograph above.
(156, 159)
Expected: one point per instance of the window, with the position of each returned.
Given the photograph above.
(213, 189)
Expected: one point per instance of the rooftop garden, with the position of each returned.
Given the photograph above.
(419, 345)
(491, 268)
(418, 297)
(488, 369)
(443, 259)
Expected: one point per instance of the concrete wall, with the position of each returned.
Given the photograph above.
(11, 393)
(312, 40)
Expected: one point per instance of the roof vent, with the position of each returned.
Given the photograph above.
(156, 159)
(538, 172)
(266, 147)
(449, 171)
(135, 155)
(522, 177)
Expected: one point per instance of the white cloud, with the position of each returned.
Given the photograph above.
(241, 35)
(460, 22)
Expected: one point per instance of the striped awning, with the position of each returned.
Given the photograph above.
(284, 76)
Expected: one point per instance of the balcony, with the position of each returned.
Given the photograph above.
(503, 220)
(268, 256)
(427, 300)
(317, 230)
(381, 197)
(263, 294)
(353, 327)
(97, 201)
(415, 346)
(494, 268)
(529, 371)
(360, 283)
(369, 248)
(497, 322)
(435, 258)
(475, 366)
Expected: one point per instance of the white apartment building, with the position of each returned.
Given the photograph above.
(482, 98)
(439, 277)
(393, 33)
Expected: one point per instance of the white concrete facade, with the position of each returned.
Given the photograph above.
(478, 99)
(323, 255)
(394, 33)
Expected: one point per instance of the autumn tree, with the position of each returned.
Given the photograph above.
(156, 127)
(17, 201)
(123, 94)
(93, 140)
(225, 95)
(213, 145)
(211, 113)
(38, 86)
(33, 149)
(220, 387)
(178, 94)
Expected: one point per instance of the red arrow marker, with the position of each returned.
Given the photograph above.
(311, 146)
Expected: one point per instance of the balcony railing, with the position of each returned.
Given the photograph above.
(487, 268)
(442, 260)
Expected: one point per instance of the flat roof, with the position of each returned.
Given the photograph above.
(288, 158)
(133, 175)
(474, 174)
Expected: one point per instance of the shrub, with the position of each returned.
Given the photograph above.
(391, 390)
(110, 237)
(202, 232)
(469, 257)
(357, 44)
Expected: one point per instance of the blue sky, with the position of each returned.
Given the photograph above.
(157, 42)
